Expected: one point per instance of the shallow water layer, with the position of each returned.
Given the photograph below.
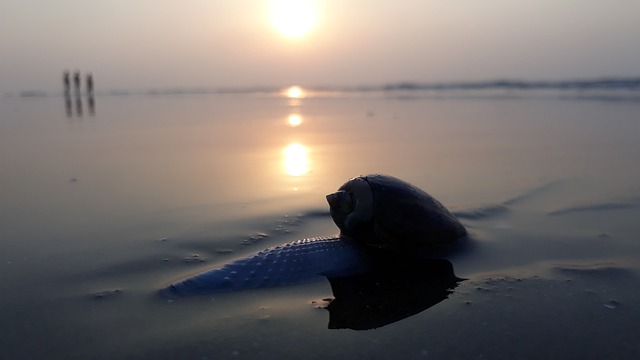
(100, 209)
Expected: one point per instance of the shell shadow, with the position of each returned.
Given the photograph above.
(387, 294)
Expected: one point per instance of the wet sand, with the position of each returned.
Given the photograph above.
(101, 211)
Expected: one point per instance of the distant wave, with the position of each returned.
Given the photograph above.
(603, 89)
(33, 93)
(592, 207)
(605, 83)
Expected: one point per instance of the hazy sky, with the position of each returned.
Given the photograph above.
(142, 44)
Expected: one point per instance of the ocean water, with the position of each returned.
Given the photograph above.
(106, 200)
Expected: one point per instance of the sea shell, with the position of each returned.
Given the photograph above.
(372, 212)
(384, 211)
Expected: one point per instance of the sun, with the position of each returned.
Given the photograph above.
(293, 18)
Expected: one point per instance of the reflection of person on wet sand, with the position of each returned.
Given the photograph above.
(92, 105)
(67, 105)
(78, 106)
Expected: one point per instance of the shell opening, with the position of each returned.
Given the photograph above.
(352, 208)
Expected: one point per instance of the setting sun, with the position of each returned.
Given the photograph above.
(293, 18)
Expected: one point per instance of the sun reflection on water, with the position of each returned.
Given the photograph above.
(296, 160)
(294, 120)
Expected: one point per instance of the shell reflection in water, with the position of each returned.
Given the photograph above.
(296, 160)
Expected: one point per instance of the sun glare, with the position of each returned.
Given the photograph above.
(293, 18)
(294, 92)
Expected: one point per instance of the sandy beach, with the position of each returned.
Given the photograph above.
(101, 209)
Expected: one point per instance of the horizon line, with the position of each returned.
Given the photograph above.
(604, 82)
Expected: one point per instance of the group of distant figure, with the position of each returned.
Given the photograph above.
(66, 78)
(76, 83)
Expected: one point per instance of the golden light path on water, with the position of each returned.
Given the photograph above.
(296, 160)
(295, 155)
(295, 95)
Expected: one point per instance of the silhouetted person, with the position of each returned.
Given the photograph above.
(67, 83)
(90, 84)
(76, 82)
